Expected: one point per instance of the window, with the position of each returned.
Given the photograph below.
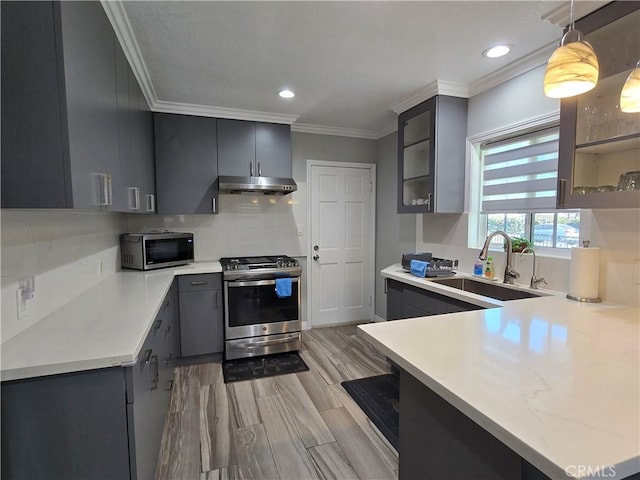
(518, 192)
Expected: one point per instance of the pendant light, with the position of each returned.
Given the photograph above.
(630, 94)
(573, 66)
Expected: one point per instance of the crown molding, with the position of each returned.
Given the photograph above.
(437, 87)
(513, 69)
(221, 112)
(387, 131)
(337, 131)
(561, 15)
(120, 23)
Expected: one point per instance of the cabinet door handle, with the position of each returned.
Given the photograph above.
(429, 196)
(147, 356)
(109, 190)
(385, 286)
(259, 170)
(103, 190)
(562, 184)
(158, 324)
(134, 198)
(251, 169)
(167, 330)
(151, 202)
(213, 204)
(217, 300)
(199, 283)
(153, 372)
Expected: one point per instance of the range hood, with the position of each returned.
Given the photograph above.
(253, 185)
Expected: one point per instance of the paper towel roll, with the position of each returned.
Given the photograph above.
(584, 274)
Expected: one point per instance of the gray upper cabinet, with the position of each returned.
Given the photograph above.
(599, 149)
(186, 164)
(62, 103)
(431, 156)
(237, 148)
(254, 149)
(273, 150)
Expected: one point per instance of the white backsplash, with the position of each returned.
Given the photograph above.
(246, 225)
(66, 252)
(616, 232)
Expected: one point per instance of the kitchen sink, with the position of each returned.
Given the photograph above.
(493, 290)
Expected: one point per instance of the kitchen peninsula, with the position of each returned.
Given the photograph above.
(534, 388)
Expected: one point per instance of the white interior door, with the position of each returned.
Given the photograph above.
(342, 242)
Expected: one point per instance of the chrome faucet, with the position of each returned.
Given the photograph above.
(534, 280)
(509, 273)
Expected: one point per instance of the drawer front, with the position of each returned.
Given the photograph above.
(196, 283)
(434, 303)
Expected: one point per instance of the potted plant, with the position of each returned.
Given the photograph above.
(518, 244)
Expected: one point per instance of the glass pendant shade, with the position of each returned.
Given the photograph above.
(630, 94)
(572, 69)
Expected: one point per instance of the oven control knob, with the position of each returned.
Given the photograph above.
(280, 264)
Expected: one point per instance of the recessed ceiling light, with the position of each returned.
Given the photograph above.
(497, 51)
(286, 93)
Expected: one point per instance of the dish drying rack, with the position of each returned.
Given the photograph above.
(439, 267)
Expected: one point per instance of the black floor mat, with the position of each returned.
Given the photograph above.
(379, 398)
(264, 366)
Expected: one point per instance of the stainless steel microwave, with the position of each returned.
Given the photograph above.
(148, 251)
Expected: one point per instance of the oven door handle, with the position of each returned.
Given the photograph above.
(266, 342)
(257, 283)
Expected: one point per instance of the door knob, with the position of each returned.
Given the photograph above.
(316, 247)
(316, 257)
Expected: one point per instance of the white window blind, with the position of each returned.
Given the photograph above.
(520, 174)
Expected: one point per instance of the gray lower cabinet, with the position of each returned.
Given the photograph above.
(201, 314)
(98, 424)
(438, 441)
(63, 107)
(407, 301)
(186, 164)
(254, 149)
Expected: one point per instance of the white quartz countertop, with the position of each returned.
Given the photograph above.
(103, 327)
(557, 381)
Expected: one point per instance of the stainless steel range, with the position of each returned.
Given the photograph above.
(257, 320)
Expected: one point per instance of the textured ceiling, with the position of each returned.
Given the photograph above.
(348, 62)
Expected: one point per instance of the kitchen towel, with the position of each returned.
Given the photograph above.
(419, 268)
(584, 273)
(283, 287)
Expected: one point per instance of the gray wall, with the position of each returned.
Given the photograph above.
(509, 103)
(310, 146)
(395, 234)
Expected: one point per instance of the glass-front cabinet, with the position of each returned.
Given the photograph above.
(431, 149)
(599, 160)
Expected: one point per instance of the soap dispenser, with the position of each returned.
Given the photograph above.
(488, 268)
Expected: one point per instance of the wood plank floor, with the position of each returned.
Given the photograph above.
(290, 427)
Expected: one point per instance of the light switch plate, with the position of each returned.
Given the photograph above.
(300, 230)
